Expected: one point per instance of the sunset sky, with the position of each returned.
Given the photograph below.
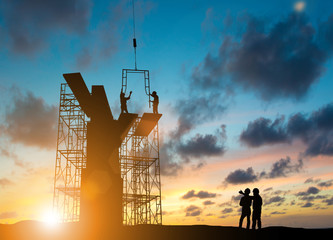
(245, 90)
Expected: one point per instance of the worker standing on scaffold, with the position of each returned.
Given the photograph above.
(123, 101)
(155, 102)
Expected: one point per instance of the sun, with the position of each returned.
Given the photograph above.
(299, 6)
(50, 218)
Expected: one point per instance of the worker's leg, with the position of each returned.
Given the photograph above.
(241, 221)
(155, 109)
(248, 221)
(254, 223)
(254, 219)
(259, 222)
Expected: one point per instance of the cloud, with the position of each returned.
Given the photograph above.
(322, 144)
(326, 33)
(310, 190)
(275, 199)
(102, 42)
(169, 167)
(283, 167)
(29, 25)
(192, 211)
(315, 130)
(4, 182)
(307, 205)
(206, 25)
(205, 194)
(280, 60)
(189, 194)
(311, 180)
(234, 201)
(6, 215)
(327, 183)
(227, 210)
(195, 110)
(30, 121)
(277, 212)
(328, 201)
(264, 131)
(236, 198)
(313, 190)
(310, 198)
(84, 58)
(177, 152)
(284, 62)
(201, 194)
(280, 168)
(208, 202)
(6, 151)
(240, 176)
(203, 145)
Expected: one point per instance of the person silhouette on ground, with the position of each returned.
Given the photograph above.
(257, 203)
(123, 101)
(245, 202)
(155, 102)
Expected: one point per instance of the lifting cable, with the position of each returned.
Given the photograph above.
(134, 39)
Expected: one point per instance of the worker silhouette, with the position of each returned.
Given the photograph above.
(257, 203)
(245, 202)
(123, 101)
(155, 102)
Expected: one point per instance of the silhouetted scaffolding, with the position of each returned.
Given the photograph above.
(139, 162)
(71, 156)
(140, 169)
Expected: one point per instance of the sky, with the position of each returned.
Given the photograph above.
(245, 90)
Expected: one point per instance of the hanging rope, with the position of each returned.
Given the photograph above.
(134, 39)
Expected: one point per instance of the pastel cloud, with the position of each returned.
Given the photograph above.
(314, 129)
(30, 121)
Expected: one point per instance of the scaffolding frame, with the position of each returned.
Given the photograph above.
(71, 157)
(145, 73)
(139, 162)
(140, 170)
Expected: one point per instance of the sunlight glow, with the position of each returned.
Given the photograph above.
(50, 218)
(299, 6)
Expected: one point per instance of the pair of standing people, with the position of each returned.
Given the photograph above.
(246, 202)
(123, 102)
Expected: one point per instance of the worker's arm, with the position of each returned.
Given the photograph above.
(129, 96)
(241, 202)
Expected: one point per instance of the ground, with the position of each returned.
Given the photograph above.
(35, 230)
